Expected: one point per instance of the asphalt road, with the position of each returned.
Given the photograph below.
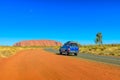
(104, 59)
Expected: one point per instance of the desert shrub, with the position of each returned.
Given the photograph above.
(107, 49)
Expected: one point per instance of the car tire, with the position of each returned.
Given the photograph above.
(75, 54)
(68, 53)
(60, 53)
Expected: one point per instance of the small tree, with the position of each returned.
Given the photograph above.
(98, 39)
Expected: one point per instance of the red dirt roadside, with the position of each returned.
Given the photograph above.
(42, 65)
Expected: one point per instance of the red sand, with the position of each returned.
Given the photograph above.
(42, 65)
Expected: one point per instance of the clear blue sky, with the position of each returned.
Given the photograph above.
(60, 20)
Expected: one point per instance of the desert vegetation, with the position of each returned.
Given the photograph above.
(108, 49)
(7, 51)
(100, 48)
(98, 39)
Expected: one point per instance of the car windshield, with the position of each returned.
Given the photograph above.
(65, 45)
(70, 44)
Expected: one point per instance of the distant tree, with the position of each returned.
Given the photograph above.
(98, 39)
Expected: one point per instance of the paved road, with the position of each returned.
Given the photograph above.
(43, 65)
(105, 59)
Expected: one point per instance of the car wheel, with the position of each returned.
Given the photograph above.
(68, 53)
(75, 54)
(60, 53)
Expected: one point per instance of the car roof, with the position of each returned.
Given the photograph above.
(71, 42)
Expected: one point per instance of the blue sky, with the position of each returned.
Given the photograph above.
(60, 20)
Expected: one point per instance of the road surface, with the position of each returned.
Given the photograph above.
(99, 58)
(42, 65)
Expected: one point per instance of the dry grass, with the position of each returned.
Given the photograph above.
(6, 51)
(111, 50)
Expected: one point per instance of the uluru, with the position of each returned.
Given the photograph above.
(38, 43)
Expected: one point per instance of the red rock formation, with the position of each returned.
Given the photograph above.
(38, 43)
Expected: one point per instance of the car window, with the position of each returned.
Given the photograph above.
(73, 44)
(65, 45)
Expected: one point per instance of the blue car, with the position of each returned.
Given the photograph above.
(69, 48)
